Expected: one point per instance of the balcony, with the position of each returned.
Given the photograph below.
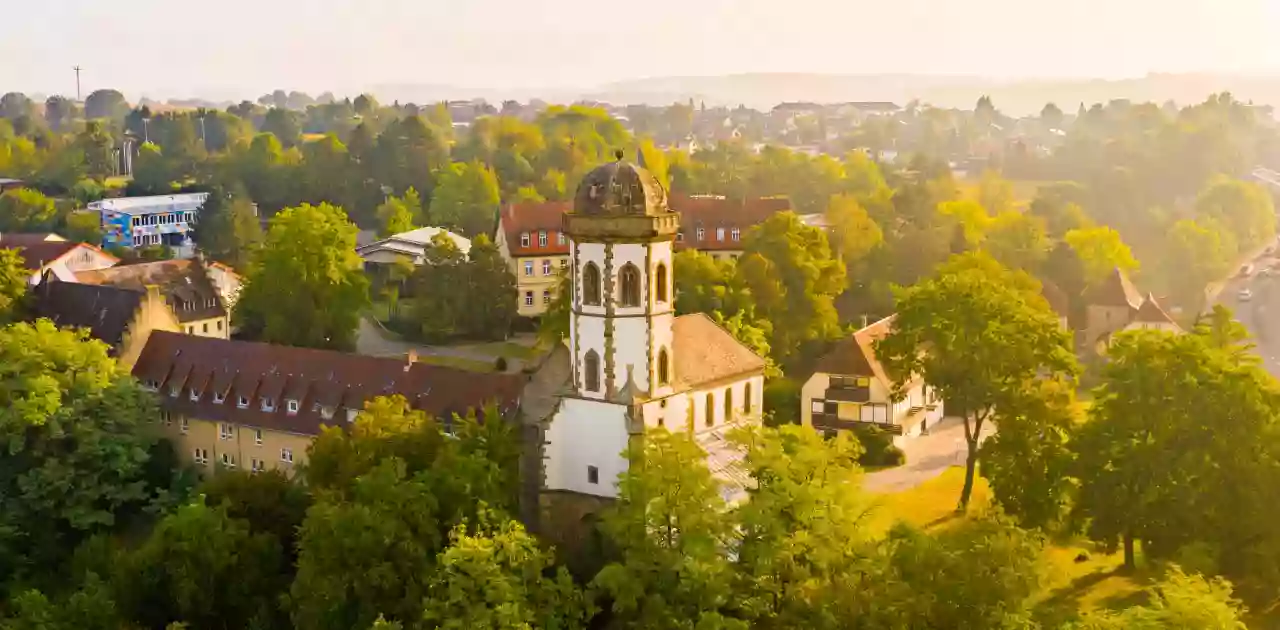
(831, 421)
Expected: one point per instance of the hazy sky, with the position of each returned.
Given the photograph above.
(246, 47)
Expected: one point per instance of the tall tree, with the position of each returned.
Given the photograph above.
(227, 227)
(491, 294)
(13, 284)
(306, 286)
(152, 173)
(284, 125)
(1017, 240)
(26, 210)
(1101, 251)
(394, 217)
(466, 198)
(977, 332)
(854, 234)
(60, 112)
(107, 104)
(15, 105)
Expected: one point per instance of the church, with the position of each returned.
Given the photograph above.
(629, 363)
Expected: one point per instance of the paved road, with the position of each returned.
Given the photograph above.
(1261, 314)
(927, 457)
(373, 341)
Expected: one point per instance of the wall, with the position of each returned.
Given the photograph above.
(688, 409)
(1101, 320)
(215, 327)
(586, 433)
(242, 446)
(153, 314)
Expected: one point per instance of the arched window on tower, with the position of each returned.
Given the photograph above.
(710, 418)
(591, 284)
(660, 283)
(664, 367)
(591, 371)
(629, 283)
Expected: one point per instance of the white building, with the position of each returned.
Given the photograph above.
(631, 364)
(411, 245)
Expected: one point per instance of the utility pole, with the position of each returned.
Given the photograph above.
(77, 69)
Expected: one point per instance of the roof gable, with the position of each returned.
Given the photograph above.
(1116, 290)
(187, 288)
(856, 356)
(106, 312)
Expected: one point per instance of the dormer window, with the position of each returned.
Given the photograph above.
(218, 398)
(268, 404)
(560, 239)
(326, 412)
(701, 234)
(735, 234)
(174, 391)
(524, 239)
(243, 402)
(293, 407)
(679, 237)
(542, 238)
(194, 394)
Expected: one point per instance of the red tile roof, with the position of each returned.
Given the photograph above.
(705, 353)
(315, 378)
(856, 356)
(1152, 313)
(1116, 290)
(708, 213)
(37, 251)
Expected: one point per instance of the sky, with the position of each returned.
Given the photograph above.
(243, 48)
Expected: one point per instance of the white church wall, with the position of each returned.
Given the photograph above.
(661, 252)
(671, 413)
(589, 335)
(631, 351)
(663, 337)
(590, 253)
(585, 434)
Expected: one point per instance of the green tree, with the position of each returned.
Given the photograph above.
(440, 285)
(496, 576)
(283, 124)
(466, 198)
(268, 502)
(491, 292)
(672, 533)
(794, 279)
(1244, 208)
(1179, 600)
(13, 284)
(553, 327)
(26, 210)
(394, 217)
(995, 193)
(1101, 251)
(108, 104)
(306, 287)
(227, 227)
(16, 105)
(60, 112)
(1195, 257)
(94, 144)
(977, 332)
(151, 172)
(325, 171)
(1017, 240)
(854, 234)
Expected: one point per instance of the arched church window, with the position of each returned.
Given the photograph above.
(710, 420)
(664, 367)
(591, 284)
(629, 280)
(746, 398)
(591, 371)
(660, 283)
(728, 404)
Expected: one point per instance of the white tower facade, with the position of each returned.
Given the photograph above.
(621, 325)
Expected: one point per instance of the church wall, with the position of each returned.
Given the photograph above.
(634, 253)
(587, 433)
(585, 253)
(588, 333)
(674, 416)
(631, 351)
(663, 337)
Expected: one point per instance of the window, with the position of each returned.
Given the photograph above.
(528, 298)
(630, 285)
(268, 404)
(660, 283)
(524, 239)
(679, 237)
(560, 240)
(257, 465)
(664, 367)
(546, 296)
(701, 233)
(326, 412)
(228, 460)
(174, 390)
(205, 327)
(710, 411)
(735, 234)
(226, 431)
(243, 402)
(746, 398)
(219, 325)
(194, 394)
(591, 284)
(257, 437)
(201, 456)
(728, 404)
(591, 371)
(218, 398)
(286, 455)
(166, 418)
(546, 267)
(528, 267)
(719, 234)
(293, 407)
(564, 264)
(191, 330)
(542, 238)
(816, 406)
(593, 474)
(184, 425)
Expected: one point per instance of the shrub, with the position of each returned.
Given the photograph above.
(878, 449)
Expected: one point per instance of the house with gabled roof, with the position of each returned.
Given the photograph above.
(1115, 304)
(46, 252)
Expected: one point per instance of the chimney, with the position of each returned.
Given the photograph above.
(411, 357)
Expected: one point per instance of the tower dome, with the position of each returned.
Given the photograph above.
(620, 187)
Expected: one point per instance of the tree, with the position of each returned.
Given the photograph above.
(977, 332)
(59, 112)
(1196, 256)
(227, 227)
(83, 227)
(854, 234)
(707, 285)
(151, 172)
(553, 327)
(995, 193)
(1017, 240)
(1178, 600)
(439, 282)
(15, 105)
(306, 287)
(1101, 251)
(672, 535)
(491, 292)
(13, 284)
(1051, 116)
(1244, 208)
(94, 145)
(466, 198)
(26, 210)
(394, 217)
(803, 527)
(325, 171)
(794, 279)
(268, 502)
(283, 124)
(494, 575)
(108, 104)
(202, 567)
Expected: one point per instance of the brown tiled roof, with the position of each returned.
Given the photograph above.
(185, 285)
(1056, 298)
(704, 353)
(105, 311)
(15, 239)
(708, 213)
(1151, 313)
(315, 378)
(36, 255)
(1116, 290)
(856, 356)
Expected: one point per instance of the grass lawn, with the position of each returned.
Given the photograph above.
(508, 349)
(1069, 585)
(471, 365)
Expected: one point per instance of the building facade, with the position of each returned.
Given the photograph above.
(256, 406)
(532, 239)
(134, 222)
(188, 287)
(849, 388)
(121, 318)
(630, 364)
(49, 253)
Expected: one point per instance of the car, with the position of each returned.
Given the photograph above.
(1246, 270)
(1245, 294)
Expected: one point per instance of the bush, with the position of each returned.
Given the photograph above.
(782, 401)
(878, 448)
(500, 364)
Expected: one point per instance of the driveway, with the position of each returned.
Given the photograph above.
(372, 340)
(928, 456)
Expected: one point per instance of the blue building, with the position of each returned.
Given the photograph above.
(133, 222)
